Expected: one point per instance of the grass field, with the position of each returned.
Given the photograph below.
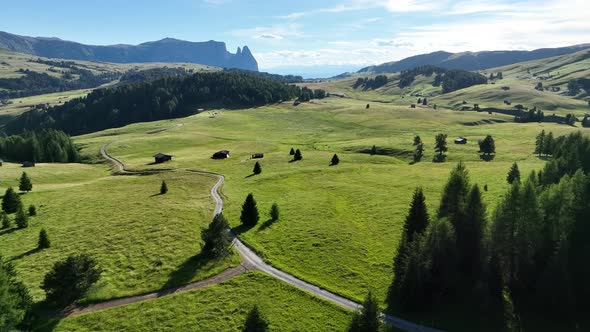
(340, 225)
(143, 241)
(218, 308)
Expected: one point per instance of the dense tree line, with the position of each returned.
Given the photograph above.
(152, 74)
(574, 86)
(46, 145)
(307, 94)
(451, 80)
(161, 99)
(274, 77)
(34, 83)
(532, 249)
(533, 115)
(370, 83)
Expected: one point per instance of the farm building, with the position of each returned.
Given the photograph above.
(223, 154)
(28, 164)
(258, 156)
(461, 140)
(162, 157)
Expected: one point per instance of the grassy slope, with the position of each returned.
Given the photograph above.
(521, 78)
(340, 225)
(141, 240)
(219, 308)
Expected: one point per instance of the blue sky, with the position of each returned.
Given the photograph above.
(306, 36)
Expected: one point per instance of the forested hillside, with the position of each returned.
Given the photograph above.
(161, 99)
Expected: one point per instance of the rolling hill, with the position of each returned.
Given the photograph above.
(211, 53)
(471, 60)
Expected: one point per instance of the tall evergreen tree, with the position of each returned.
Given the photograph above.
(417, 218)
(454, 193)
(549, 144)
(292, 152)
(540, 143)
(417, 140)
(469, 234)
(513, 174)
(440, 146)
(298, 156)
(25, 183)
(257, 168)
(249, 216)
(21, 219)
(335, 160)
(255, 322)
(367, 318)
(163, 188)
(216, 237)
(488, 146)
(11, 201)
(44, 241)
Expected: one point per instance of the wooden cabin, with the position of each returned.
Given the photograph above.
(223, 154)
(258, 156)
(161, 158)
(28, 164)
(461, 140)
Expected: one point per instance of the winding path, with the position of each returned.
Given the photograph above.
(251, 261)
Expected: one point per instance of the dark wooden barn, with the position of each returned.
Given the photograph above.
(461, 140)
(161, 158)
(223, 154)
(28, 164)
(258, 156)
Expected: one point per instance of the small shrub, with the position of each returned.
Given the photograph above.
(21, 219)
(335, 160)
(5, 221)
(257, 168)
(44, 241)
(32, 210)
(163, 188)
(274, 212)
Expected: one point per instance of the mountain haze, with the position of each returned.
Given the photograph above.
(212, 53)
(471, 60)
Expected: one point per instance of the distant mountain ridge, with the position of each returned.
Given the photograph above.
(471, 60)
(211, 53)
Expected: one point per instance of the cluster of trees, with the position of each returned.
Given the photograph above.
(498, 76)
(308, 94)
(152, 74)
(574, 86)
(545, 143)
(11, 203)
(370, 83)
(274, 77)
(586, 122)
(34, 83)
(43, 145)
(533, 249)
(533, 115)
(450, 79)
(161, 99)
(570, 119)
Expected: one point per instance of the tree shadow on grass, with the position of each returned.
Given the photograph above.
(249, 176)
(241, 229)
(7, 231)
(25, 254)
(187, 270)
(487, 157)
(266, 225)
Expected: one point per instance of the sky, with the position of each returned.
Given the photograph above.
(311, 37)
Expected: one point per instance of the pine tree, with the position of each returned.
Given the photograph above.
(274, 212)
(32, 210)
(25, 183)
(454, 193)
(417, 140)
(216, 237)
(417, 218)
(469, 233)
(11, 201)
(440, 146)
(549, 146)
(255, 322)
(292, 152)
(298, 155)
(487, 146)
(367, 318)
(419, 152)
(335, 160)
(513, 174)
(21, 219)
(249, 216)
(373, 150)
(163, 188)
(5, 221)
(44, 241)
(425, 101)
(257, 169)
(540, 143)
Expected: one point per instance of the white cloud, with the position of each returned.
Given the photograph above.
(274, 32)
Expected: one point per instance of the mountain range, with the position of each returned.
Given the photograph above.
(471, 60)
(211, 53)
